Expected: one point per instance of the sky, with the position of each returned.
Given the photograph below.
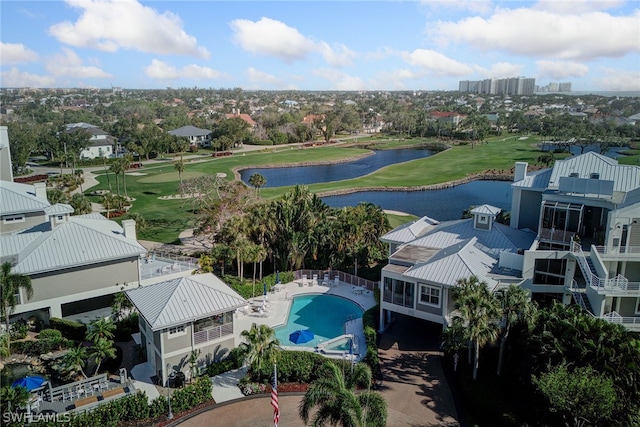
(318, 45)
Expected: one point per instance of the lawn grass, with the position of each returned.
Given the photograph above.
(167, 218)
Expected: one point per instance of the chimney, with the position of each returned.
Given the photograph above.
(40, 189)
(129, 227)
(521, 171)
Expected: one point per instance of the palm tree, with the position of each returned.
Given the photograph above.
(179, 166)
(81, 204)
(76, 358)
(516, 307)
(117, 167)
(100, 329)
(102, 349)
(261, 346)
(479, 310)
(454, 339)
(336, 402)
(4, 344)
(14, 397)
(11, 284)
(257, 181)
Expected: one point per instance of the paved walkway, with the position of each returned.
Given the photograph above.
(414, 387)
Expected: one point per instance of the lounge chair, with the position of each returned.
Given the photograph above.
(325, 281)
(314, 281)
(336, 280)
(303, 281)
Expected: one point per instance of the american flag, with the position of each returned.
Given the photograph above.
(274, 397)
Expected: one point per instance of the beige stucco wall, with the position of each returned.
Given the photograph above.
(73, 281)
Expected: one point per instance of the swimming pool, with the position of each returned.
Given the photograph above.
(324, 315)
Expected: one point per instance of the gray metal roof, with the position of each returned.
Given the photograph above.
(80, 241)
(625, 177)
(486, 210)
(189, 131)
(409, 231)
(182, 300)
(500, 238)
(456, 262)
(59, 209)
(538, 180)
(17, 198)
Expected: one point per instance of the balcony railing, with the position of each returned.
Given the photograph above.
(213, 333)
(630, 322)
(618, 284)
(157, 264)
(551, 234)
(342, 276)
(622, 252)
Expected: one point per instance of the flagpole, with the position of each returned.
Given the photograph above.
(274, 397)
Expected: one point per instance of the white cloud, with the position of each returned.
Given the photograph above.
(110, 25)
(16, 78)
(69, 64)
(269, 37)
(541, 33)
(436, 63)
(256, 76)
(561, 69)
(615, 79)
(500, 70)
(577, 6)
(340, 80)
(163, 71)
(339, 56)
(15, 53)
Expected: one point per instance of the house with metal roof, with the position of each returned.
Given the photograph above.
(182, 315)
(427, 258)
(586, 210)
(197, 137)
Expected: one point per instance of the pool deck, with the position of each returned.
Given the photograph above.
(278, 303)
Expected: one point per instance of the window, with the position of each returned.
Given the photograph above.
(13, 218)
(429, 295)
(60, 217)
(638, 305)
(482, 219)
(176, 331)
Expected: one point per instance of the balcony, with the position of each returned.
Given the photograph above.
(159, 264)
(213, 333)
(631, 323)
(619, 285)
(621, 253)
(553, 235)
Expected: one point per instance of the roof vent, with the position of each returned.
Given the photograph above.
(573, 175)
(594, 175)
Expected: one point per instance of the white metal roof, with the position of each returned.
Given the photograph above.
(486, 210)
(182, 300)
(456, 262)
(500, 238)
(535, 180)
(18, 198)
(59, 209)
(80, 241)
(409, 231)
(625, 177)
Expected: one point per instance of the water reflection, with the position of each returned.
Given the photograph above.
(279, 177)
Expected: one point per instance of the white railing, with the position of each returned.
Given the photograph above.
(343, 277)
(625, 252)
(619, 284)
(157, 264)
(213, 333)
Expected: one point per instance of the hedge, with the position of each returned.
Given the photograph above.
(70, 329)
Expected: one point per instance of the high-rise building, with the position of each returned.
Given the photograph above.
(509, 86)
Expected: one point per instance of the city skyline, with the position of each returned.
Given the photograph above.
(318, 45)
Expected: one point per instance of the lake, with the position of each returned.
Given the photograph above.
(279, 177)
(443, 205)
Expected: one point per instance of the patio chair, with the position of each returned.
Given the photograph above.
(325, 280)
(303, 281)
(336, 280)
(314, 280)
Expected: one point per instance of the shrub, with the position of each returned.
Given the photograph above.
(47, 334)
(18, 330)
(38, 347)
(70, 329)
(217, 368)
(192, 395)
